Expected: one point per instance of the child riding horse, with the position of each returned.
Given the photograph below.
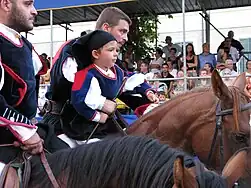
(97, 83)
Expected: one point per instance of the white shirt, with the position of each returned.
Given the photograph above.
(174, 73)
(166, 49)
(234, 54)
(159, 62)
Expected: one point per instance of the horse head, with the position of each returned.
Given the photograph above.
(235, 123)
(237, 166)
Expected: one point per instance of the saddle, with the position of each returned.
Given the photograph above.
(16, 173)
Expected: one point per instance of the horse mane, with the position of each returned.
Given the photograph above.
(208, 179)
(126, 162)
(122, 162)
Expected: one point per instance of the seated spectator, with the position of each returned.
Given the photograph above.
(248, 67)
(166, 74)
(203, 82)
(248, 87)
(206, 57)
(129, 58)
(191, 83)
(248, 84)
(230, 65)
(162, 87)
(138, 64)
(157, 85)
(174, 58)
(44, 56)
(144, 68)
(166, 49)
(156, 64)
(209, 68)
(227, 52)
(178, 86)
(162, 97)
(226, 73)
(172, 71)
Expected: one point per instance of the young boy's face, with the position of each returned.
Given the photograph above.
(162, 97)
(108, 55)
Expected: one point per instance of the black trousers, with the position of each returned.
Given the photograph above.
(51, 142)
(133, 101)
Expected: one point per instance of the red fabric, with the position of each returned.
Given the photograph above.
(44, 68)
(17, 45)
(141, 109)
(23, 86)
(59, 52)
(80, 78)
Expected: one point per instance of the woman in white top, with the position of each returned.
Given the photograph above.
(156, 64)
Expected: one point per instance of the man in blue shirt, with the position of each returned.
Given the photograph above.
(206, 57)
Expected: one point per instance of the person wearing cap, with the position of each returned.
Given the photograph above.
(96, 85)
(112, 20)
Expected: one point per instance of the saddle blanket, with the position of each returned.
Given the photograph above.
(74, 143)
(2, 165)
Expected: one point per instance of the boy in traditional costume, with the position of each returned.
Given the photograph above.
(97, 83)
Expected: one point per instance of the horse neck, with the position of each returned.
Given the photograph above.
(188, 106)
(181, 112)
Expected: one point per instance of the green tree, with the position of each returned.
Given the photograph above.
(142, 35)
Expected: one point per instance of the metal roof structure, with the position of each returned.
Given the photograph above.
(76, 12)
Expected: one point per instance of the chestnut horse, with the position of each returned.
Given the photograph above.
(128, 162)
(189, 121)
(238, 165)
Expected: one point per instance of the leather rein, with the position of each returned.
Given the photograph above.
(218, 131)
(24, 164)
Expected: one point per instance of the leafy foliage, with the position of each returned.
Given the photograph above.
(142, 35)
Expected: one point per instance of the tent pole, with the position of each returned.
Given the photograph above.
(66, 32)
(203, 31)
(184, 45)
(51, 24)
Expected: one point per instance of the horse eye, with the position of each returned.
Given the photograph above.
(240, 138)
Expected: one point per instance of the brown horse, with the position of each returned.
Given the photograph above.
(128, 162)
(189, 120)
(236, 167)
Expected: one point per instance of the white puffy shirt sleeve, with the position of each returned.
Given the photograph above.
(69, 69)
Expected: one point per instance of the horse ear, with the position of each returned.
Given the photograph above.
(240, 81)
(178, 172)
(235, 167)
(220, 89)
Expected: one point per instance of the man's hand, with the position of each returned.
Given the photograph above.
(109, 107)
(103, 117)
(152, 97)
(33, 145)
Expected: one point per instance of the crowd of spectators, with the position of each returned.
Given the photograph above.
(166, 67)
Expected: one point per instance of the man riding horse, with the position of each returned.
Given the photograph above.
(111, 20)
(19, 64)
